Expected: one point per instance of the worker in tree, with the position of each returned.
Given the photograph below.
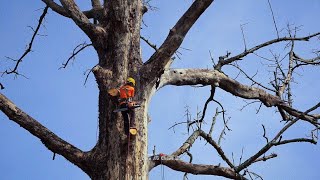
(126, 94)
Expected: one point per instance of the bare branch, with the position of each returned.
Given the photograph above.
(159, 60)
(264, 133)
(265, 158)
(81, 19)
(153, 46)
(313, 61)
(1, 86)
(213, 122)
(251, 78)
(182, 166)
(60, 10)
(48, 138)
(217, 147)
(288, 76)
(223, 132)
(180, 77)
(28, 50)
(185, 176)
(243, 37)
(312, 141)
(273, 142)
(223, 62)
(89, 71)
(187, 144)
(75, 51)
(274, 21)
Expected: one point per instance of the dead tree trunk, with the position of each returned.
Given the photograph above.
(115, 35)
(114, 156)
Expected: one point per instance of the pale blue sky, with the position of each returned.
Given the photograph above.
(58, 99)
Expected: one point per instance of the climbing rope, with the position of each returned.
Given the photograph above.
(162, 167)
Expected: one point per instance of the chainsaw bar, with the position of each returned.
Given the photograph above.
(125, 109)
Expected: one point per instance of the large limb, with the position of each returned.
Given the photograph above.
(180, 77)
(93, 31)
(60, 10)
(48, 138)
(174, 163)
(161, 58)
(202, 169)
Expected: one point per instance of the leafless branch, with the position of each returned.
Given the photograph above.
(1, 86)
(187, 144)
(160, 59)
(265, 158)
(29, 47)
(81, 20)
(213, 121)
(48, 138)
(223, 62)
(208, 138)
(75, 51)
(247, 104)
(274, 21)
(88, 72)
(251, 78)
(243, 37)
(264, 133)
(185, 176)
(273, 142)
(60, 10)
(181, 77)
(223, 132)
(182, 166)
(210, 98)
(153, 46)
(312, 141)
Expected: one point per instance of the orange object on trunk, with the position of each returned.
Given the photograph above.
(126, 92)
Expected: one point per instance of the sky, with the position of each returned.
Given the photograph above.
(59, 100)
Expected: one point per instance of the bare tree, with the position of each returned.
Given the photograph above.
(114, 30)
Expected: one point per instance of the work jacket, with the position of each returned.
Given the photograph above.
(126, 93)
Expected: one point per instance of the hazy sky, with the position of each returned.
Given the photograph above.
(59, 100)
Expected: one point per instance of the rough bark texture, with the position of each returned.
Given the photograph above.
(119, 57)
(115, 35)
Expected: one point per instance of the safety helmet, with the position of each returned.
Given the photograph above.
(131, 80)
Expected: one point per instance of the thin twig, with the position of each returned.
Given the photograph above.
(274, 21)
(28, 50)
(251, 79)
(90, 71)
(243, 37)
(264, 133)
(153, 46)
(75, 51)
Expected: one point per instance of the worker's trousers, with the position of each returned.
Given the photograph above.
(128, 116)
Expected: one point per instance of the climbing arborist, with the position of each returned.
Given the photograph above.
(126, 94)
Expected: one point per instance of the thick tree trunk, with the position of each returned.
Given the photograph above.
(117, 156)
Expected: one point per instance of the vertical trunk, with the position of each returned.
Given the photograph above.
(115, 156)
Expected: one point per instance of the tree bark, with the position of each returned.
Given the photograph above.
(115, 155)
